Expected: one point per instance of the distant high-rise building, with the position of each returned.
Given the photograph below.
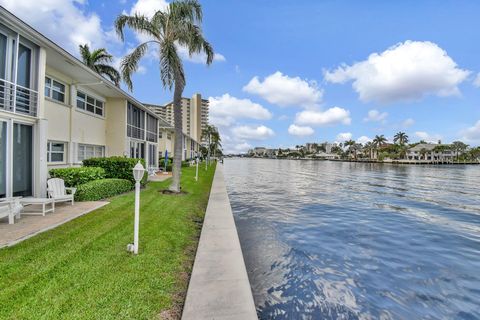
(194, 121)
(194, 115)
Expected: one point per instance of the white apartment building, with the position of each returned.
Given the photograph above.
(55, 111)
(194, 121)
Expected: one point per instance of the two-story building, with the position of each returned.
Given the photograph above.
(55, 111)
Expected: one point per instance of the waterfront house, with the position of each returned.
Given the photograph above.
(430, 152)
(55, 111)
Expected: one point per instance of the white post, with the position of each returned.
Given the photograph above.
(196, 171)
(137, 217)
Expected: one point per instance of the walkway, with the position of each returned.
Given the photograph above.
(219, 286)
(28, 226)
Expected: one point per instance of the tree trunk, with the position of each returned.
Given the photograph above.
(178, 148)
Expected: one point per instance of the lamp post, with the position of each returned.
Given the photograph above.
(196, 171)
(138, 172)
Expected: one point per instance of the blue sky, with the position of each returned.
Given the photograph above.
(290, 72)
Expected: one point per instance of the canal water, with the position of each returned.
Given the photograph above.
(338, 240)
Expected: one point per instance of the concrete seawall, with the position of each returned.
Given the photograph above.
(219, 286)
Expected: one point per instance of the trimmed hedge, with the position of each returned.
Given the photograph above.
(77, 175)
(101, 189)
(117, 167)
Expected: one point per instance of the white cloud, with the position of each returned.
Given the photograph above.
(472, 134)
(407, 71)
(283, 117)
(282, 90)
(376, 116)
(476, 82)
(408, 123)
(64, 21)
(253, 133)
(148, 7)
(335, 115)
(428, 137)
(300, 131)
(225, 110)
(344, 136)
(364, 139)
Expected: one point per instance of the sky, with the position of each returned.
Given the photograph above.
(290, 72)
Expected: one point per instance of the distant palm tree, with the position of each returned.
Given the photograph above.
(378, 141)
(423, 153)
(99, 61)
(459, 147)
(207, 134)
(178, 25)
(350, 146)
(368, 149)
(401, 138)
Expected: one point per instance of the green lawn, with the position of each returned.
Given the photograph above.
(81, 270)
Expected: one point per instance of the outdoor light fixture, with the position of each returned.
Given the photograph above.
(196, 164)
(138, 172)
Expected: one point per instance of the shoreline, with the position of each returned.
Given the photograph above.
(400, 162)
(219, 287)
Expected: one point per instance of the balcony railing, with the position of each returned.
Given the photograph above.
(17, 99)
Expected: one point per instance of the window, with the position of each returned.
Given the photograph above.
(54, 89)
(152, 127)
(89, 103)
(87, 151)
(159, 134)
(56, 151)
(135, 122)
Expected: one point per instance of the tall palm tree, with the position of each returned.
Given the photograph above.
(401, 138)
(378, 141)
(178, 25)
(459, 147)
(368, 149)
(207, 134)
(216, 142)
(350, 145)
(423, 153)
(99, 61)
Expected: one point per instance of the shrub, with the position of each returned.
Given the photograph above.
(101, 189)
(77, 175)
(117, 167)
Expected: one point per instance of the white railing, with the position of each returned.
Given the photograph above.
(18, 99)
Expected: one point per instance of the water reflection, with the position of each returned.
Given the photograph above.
(348, 240)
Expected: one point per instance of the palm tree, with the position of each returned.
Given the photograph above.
(401, 138)
(459, 147)
(99, 61)
(178, 25)
(368, 148)
(350, 145)
(378, 141)
(207, 134)
(216, 144)
(423, 153)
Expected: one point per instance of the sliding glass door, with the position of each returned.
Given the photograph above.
(22, 160)
(3, 159)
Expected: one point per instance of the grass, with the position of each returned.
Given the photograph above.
(81, 270)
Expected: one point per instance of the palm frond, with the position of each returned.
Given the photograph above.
(186, 10)
(110, 72)
(130, 63)
(171, 68)
(138, 23)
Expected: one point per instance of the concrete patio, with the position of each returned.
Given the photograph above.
(28, 225)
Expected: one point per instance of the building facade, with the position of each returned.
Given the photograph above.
(194, 121)
(56, 112)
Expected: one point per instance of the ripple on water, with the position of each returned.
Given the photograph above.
(336, 240)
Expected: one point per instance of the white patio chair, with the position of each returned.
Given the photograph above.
(10, 207)
(58, 192)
